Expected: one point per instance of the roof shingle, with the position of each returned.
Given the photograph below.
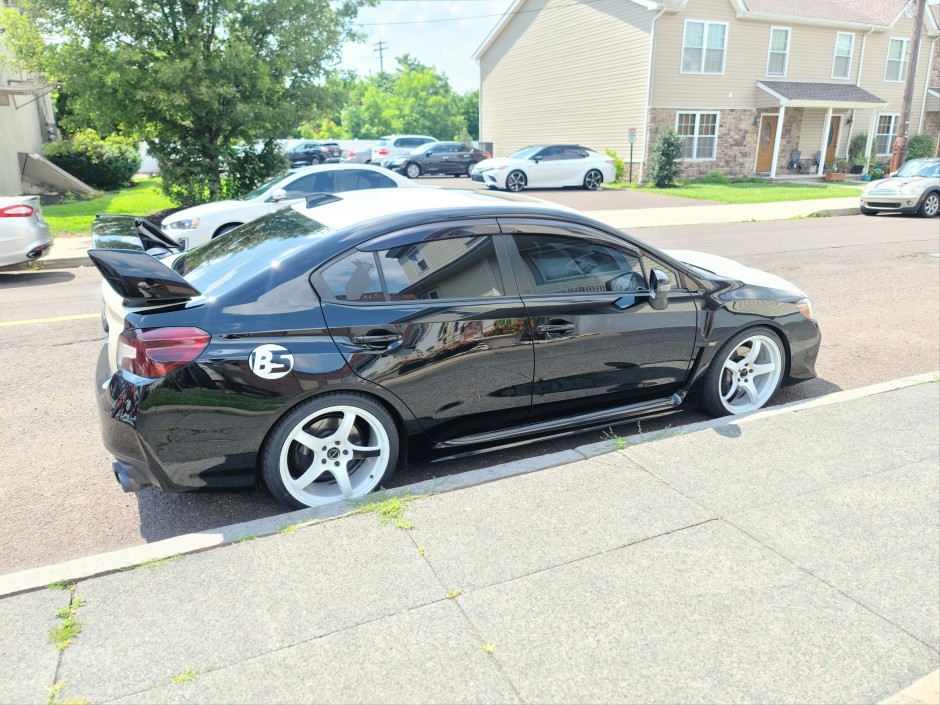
(829, 92)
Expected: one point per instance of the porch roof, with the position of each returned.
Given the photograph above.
(799, 94)
(935, 92)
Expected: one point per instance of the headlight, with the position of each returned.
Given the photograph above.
(912, 188)
(184, 224)
(806, 307)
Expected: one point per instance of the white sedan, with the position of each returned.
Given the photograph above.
(546, 166)
(199, 224)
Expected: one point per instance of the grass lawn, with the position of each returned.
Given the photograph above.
(749, 191)
(74, 218)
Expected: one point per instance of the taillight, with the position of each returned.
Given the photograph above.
(486, 155)
(383, 152)
(20, 210)
(324, 149)
(156, 352)
(352, 155)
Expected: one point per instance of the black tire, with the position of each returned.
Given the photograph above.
(711, 392)
(224, 229)
(930, 206)
(867, 211)
(593, 180)
(516, 181)
(270, 458)
(412, 170)
(315, 160)
(469, 168)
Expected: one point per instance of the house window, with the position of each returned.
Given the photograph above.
(703, 47)
(885, 133)
(699, 132)
(842, 61)
(779, 49)
(416, 257)
(897, 60)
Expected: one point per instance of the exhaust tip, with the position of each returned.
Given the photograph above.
(37, 252)
(127, 482)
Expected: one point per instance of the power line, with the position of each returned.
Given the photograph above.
(380, 47)
(475, 17)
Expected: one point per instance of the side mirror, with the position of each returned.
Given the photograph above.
(536, 159)
(659, 289)
(428, 153)
(278, 194)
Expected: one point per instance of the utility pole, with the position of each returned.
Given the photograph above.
(900, 142)
(380, 47)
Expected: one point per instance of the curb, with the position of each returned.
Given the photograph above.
(828, 213)
(60, 263)
(926, 691)
(103, 563)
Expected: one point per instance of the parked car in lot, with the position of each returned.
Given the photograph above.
(24, 234)
(314, 152)
(357, 156)
(199, 224)
(392, 146)
(437, 158)
(307, 348)
(914, 188)
(546, 166)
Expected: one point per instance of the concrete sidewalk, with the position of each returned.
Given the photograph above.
(70, 252)
(789, 556)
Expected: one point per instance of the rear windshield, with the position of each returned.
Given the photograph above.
(382, 142)
(247, 250)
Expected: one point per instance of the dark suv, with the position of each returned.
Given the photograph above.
(314, 152)
(437, 158)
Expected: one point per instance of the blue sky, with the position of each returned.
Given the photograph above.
(447, 45)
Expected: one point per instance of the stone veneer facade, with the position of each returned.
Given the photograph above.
(736, 149)
(932, 125)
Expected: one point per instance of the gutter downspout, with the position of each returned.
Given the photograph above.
(649, 96)
(923, 105)
(858, 83)
(861, 57)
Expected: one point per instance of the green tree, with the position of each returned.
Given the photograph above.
(195, 79)
(415, 99)
(666, 157)
(470, 109)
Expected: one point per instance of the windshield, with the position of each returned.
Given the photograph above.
(920, 168)
(241, 253)
(260, 191)
(526, 153)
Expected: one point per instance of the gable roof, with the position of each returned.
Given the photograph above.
(876, 12)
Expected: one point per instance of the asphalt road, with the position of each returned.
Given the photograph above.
(874, 282)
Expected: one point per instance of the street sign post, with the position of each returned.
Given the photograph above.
(631, 137)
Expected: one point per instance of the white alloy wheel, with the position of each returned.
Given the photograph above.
(336, 452)
(413, 171)
(931, 205)
(745, 374)
(515, 181)
(593, 180)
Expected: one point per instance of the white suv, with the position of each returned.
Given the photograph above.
(392, 146)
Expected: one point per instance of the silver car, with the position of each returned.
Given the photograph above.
(392, 146)
(24, 234)
(362, 155)
(914, 188)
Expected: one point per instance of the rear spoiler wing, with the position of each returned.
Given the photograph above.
(125, 251)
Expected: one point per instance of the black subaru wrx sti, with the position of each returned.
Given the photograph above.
(308, 347)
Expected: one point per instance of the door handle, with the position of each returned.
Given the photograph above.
(377, 339)
(554, 328)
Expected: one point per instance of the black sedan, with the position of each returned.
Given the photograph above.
(437, 158)
(314, 152)
(308, 347)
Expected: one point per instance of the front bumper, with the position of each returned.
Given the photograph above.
(804, 340)
(893, 203)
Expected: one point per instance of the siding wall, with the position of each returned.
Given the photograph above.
(564, 72)
(20, 131)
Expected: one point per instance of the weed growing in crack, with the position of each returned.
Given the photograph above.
(188, 675)
(390, 510)
(69, 627)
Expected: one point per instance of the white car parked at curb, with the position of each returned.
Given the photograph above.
(197, 225)
(546, 166)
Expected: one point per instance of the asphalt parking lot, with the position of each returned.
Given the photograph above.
(874, 283)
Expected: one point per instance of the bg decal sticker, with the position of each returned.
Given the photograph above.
(271, 361)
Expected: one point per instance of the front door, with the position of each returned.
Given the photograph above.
(446, 333)
(833, 139)
(766, 141)
(598, 342)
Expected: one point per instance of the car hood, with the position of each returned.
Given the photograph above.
(895, 183)
(206, 209)
(730, 269)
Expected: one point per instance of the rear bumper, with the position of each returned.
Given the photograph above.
(24, 242)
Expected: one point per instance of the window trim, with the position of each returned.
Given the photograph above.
(895, 118)
(835, 55)
(695, 135)
(905, 59)
(786, 52)
(724, 48)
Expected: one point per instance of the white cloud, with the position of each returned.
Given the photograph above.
(447, 46)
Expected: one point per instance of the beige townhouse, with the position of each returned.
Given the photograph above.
(746, 83)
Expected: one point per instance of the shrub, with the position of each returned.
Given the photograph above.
(666, 157)
(620, 167)
(107, 164)
(920, 146)
(857, 150)
(716, 177)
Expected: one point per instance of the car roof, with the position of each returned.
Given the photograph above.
(352, 208)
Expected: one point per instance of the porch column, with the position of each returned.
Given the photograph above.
(822, 143)
(773, 160)
(873, 123)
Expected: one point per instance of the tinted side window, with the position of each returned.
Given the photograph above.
(575, 153)
(550, 154)
(459, 268)
(650, 263)
(358, 179)
(354, 278)
(311, 183)
(561, 265)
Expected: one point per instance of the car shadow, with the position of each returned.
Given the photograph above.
(13, 280)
